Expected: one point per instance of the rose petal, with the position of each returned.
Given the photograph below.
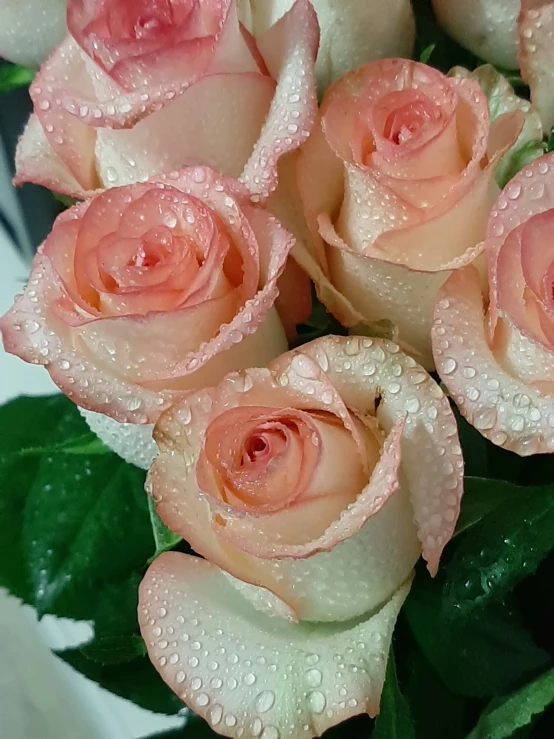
(289, 49)
(230, 659)
(195, 129)
(364, 369)
(511, 413)
(131, 442)
(36, 161)
(485, 27)
(30, 29)
(379, 289)
(27, 332)
(529, 193)
(536, 35)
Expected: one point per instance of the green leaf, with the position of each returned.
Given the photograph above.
(113, 650)
(437, 712)
(501, 721)
(395, 719)
(136, 680)
(550, 141)
(12, 76)
(482, 497)
(492, 639)
(505, 546)
(427, 53)
(320, 323)
(517, 159)
(164, 538)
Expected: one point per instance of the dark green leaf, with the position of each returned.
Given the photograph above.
(437, 712)
(320, 323)
(87, 537)
(395, 719)
(195, 728)
(164, 538)
(474, 446)
(136, 681)
(482, 497)
(113, 650)
(504, 547)
(492, 639)
(502, 720)
(12, 76)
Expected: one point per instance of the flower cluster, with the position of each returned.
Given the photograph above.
(226, 157)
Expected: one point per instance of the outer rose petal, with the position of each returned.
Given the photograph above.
(364, 369)
(503, 99)
(485, 27)
(511, 413)
(131, 442)
(247, 674)
(289, 49)
(36, 161)
(30, 29)
(536, 38)
(196, 129)
(352, 32)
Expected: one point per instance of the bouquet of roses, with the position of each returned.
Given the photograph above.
(305, 279)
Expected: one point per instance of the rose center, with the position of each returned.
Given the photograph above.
(406, 122)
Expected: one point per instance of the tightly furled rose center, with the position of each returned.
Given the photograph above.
(125, 266)
(125, 35)
(265, 460)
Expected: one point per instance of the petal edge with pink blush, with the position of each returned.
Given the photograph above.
(496, 355)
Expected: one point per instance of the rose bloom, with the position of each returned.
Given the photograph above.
(510, 34)
(397, 183)
(146, 290)
(352, 32)
(139, 88)
(498, 365)
(311, 488)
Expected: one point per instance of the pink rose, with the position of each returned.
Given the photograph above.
(311, 488)
(511, 34)
(397, 184)
(139, 88)
(146, 290)
(499, 365)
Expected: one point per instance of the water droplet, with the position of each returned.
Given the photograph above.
(314, 678)
(230, 719)
(216, 714)
(265, 701)
(249, 678)
(180, 676)
(270, 732)
(316, 701)
(203, 699)
(449, 366)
